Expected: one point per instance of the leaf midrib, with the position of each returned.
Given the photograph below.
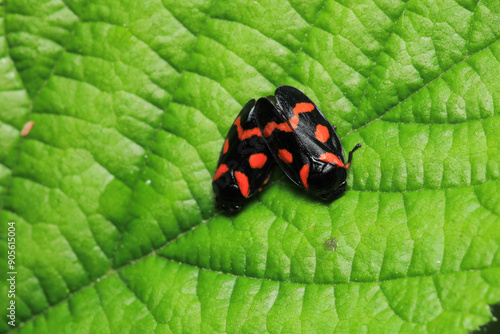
(154, 253)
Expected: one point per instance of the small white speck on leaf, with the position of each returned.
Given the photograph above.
(331, 244)
(148, 181)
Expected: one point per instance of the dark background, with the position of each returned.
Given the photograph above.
(492, 327)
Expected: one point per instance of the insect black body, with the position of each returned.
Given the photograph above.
(287, 129)
(303, 142)
(245, 163)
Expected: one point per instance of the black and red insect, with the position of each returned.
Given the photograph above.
(245, 163)
(303, 142)
(289, 129)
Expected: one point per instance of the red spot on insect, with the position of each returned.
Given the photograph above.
(322, 133)
(243, 184)
(285, 156)
(333, 159)
(293, 122)
(298, 109)
(257, 160)
(271, 126)
(27, 128)
(226, 146)
(304, 175)
(245, 134)
(303, 107)
(221, 170)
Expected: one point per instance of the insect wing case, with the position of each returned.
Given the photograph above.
(311, 126)
(303, 142)
(245, 163)
(283, 143)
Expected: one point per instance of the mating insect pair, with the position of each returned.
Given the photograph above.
(287, 129)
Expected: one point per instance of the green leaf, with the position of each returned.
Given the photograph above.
(111, 196)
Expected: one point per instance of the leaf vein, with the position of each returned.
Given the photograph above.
(417, 91)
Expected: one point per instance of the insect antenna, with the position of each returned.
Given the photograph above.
(350, 154)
